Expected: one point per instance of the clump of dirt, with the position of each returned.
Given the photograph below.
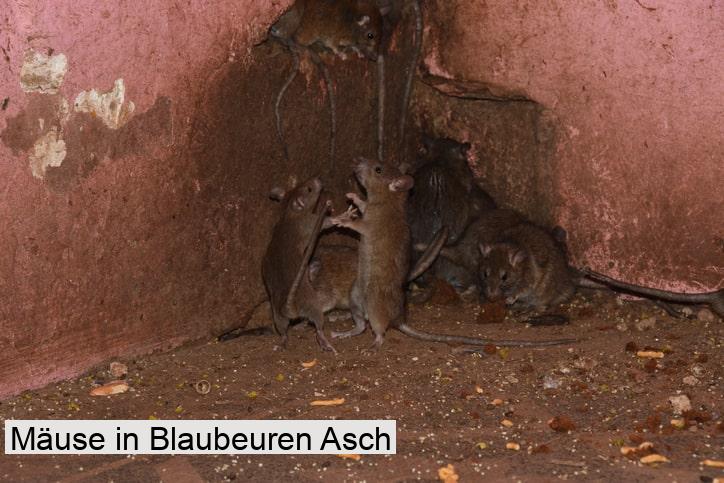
(591, 410)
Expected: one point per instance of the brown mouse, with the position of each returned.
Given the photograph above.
(313, 26)
(525, 267)
(377, 294)
(287, 256)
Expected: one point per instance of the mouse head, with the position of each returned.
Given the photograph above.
(379, 178)
(365, 20)
(299, 199)
(502, 271)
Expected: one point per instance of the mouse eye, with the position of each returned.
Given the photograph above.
(378, 169)
(309, 189)
(370, 35)
(504, 276)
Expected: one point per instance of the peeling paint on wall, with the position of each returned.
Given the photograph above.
(109, 106)
(43, 73)
(49, 150)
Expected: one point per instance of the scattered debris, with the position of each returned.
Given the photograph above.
(203, 386)
(310, 364)
(646, 324)
(328, 402)
(512, 446)
(690, 381)
(118, 370)
(354, 457)
(653, 459)
(113, 387)
(507, 423)
(680, 404)
(713, 463)
(447, 474)
(650, 354)
(706, 315)
(562, 424)
(678, 423)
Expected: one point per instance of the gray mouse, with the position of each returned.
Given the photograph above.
(312, 26)
(377, 294)
(287, 256)
(446, 194)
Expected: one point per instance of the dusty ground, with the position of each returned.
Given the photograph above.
(443, 402)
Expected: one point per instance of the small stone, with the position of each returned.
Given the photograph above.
(585, 363)
(551, 382)
(690, 381)
(497, 402)
(680, 404)
(646, 324)
(512, 446)
(507, 423)
(118, 370)
(698, 371)
(706, 315)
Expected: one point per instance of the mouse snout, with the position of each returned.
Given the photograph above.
(493, 294)
(317, 184)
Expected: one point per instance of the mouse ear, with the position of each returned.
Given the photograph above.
(277, 194)
(402, 183)
(485, 249)
(516, 257)
(313, 270)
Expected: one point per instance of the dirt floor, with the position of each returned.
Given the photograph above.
(563, 413)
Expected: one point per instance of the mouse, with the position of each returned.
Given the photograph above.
(445, 194)
(525, 267)
(377, 295)
(313, 26)
(714, 299)
(287, 257)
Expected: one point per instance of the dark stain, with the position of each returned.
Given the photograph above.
(5, 103)
(87, 139)
(23, 129)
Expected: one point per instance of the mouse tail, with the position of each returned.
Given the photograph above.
(459, 339)
(239, 330)
(412, 67)
(380, 105)
(676, 297)
(430, 255)
(280, 96)
(327, 79)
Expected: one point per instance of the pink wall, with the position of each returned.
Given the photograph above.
(635, 92)
(126, 246)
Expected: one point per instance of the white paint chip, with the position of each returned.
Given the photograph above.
(48, 150)
(109, 106)
(43, 73)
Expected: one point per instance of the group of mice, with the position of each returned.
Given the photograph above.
(450, 220)
(448, 225)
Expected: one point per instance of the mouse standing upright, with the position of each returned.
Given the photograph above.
(378, 293)
(287, 257)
